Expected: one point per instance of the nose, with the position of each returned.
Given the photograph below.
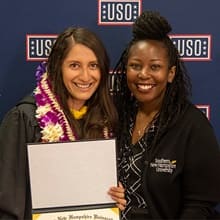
(85, 74)
(143, 73)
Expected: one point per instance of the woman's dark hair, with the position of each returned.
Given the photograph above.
(152, 26)
(101, 111)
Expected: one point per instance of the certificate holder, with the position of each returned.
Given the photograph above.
(70, 180)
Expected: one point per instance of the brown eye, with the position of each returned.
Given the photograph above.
(94, 66)
(135, 66)
(74, 65)
(155, 67)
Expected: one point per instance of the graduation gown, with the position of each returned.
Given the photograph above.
(19, 127)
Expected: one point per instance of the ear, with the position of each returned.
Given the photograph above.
(171, 74)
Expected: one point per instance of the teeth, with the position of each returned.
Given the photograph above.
(83, 86)
(145, 86)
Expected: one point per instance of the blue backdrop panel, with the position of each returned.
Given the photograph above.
(195, 28)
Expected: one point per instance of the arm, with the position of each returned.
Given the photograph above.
(201, 177)
(15, 131)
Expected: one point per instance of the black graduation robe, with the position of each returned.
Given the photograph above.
(18, 128)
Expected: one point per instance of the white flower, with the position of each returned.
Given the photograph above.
(42, 110)
(52, 132)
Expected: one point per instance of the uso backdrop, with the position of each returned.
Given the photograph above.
(29, 28)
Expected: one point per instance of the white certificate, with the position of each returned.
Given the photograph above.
(72, 174)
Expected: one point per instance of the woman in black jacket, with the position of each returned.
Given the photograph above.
(169, 159)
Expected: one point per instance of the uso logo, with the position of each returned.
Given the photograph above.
(205, 109)
(193, 47)
(122, 12)
(38, 46)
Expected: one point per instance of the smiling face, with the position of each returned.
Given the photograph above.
(81, 75)
(148, 72)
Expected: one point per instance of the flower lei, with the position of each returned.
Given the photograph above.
(52, 121)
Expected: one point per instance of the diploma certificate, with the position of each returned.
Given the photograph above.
(72, 177)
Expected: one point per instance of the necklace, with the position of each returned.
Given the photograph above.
(142, 124)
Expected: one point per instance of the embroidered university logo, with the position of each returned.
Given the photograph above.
(193, 47)
(112, 12)
(163, 165)
(38, 46)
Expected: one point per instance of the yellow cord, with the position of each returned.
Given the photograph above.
(78, 114)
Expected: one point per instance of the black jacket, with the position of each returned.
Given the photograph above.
(181, 178)
(18, 128)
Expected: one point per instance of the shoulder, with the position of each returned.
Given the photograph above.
(199, 128)
(193, 126)
(194, 116)
(23, 110)
(27, 106)
(27, 101)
